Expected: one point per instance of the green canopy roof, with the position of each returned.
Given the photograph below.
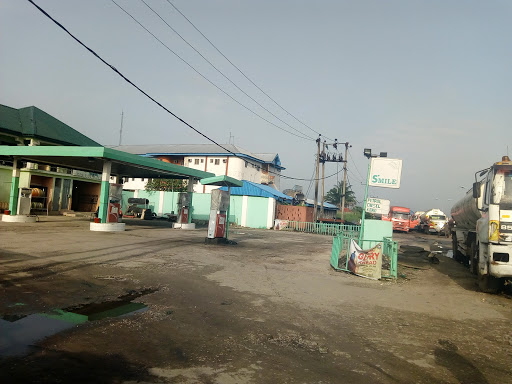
(92, 158)
(222, 181)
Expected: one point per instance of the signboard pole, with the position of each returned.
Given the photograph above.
(364, 204)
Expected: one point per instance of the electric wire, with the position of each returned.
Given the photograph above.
(218, 70)
(241, 72)
(353, 162)
(360, 181)
(205, 78)
(311, 181)
(146, 94)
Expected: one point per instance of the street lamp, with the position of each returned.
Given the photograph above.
(368, 153)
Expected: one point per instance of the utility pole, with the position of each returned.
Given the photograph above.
(315, 216)
(323, 181)
(344, 182)
(121, 130)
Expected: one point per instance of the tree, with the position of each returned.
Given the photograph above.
(334, 195)
(169, 185)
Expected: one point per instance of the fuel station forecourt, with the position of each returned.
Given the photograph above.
(105, 161)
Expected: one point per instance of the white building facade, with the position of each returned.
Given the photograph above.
(261, 168)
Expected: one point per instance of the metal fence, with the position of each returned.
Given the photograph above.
(340, 253)
(330, 229)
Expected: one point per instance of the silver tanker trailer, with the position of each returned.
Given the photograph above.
(482, 235)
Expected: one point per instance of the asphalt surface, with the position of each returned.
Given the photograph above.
(267, 310)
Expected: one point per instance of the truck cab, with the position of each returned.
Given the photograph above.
(494, 227)
(401, 218)
(482, 237)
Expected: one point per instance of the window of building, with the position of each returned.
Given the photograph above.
(142, 179)
(202, 161)
(196, 161)
(217, 161)
(246, 164)
(189, 160)
(211, 160)
(224, 161)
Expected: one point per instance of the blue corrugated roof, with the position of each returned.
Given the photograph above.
(255, 189)
(311, 203)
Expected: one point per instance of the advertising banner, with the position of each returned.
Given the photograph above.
(379, 206)
(385, 172)
(365, 263)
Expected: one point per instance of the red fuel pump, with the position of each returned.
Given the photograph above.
(183, 207)
(218, 214)
(114, 203)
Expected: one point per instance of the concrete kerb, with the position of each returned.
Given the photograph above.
(19, 218)
(107, 227)
(189, 226)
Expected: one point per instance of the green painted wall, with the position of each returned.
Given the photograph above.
(5, 184)
(235, 209)
(201, 202)
(170, 201)
(124, 200)
(376, 230)
(257, 212)
(153, 197)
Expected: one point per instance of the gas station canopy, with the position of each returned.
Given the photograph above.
(222, 181)
(92, 159)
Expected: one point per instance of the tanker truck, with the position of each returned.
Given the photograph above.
(433, 221)
(482, 235)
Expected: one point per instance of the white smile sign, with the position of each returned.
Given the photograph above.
(385, 173)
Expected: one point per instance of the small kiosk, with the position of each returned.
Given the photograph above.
(218, 224)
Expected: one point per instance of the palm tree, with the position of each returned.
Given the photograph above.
(335, 194)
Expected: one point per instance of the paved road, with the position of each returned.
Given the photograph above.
(268, 310)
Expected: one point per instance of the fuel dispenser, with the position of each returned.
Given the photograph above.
(114, 203)
(24, 201)
(183, 207)
(218, 214)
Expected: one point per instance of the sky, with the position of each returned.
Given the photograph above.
(428, 82)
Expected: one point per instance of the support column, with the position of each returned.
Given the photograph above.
(361, 234)
(15, 183)
(227, 213)
(190, 190)
(105, 189)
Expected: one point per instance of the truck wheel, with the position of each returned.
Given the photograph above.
(489, 284)
(474, 257)
(455, 248)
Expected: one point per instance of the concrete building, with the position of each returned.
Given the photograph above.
(54, 189)
(261, 168)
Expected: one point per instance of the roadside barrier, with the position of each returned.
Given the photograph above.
(340, 253)
(330, 229)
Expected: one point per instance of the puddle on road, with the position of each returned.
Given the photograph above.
(449, 254)
(20, 332)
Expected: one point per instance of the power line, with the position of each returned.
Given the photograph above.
(204, 77)
(355, 166)
(311, 181)
(218, 70)
(239, 70)
(146, 94)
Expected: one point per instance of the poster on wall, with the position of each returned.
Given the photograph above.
(365, 263)
(385, 173)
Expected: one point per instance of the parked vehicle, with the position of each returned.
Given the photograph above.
(482, 235)
(414, 223)
(433, 221)
(401, 218)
